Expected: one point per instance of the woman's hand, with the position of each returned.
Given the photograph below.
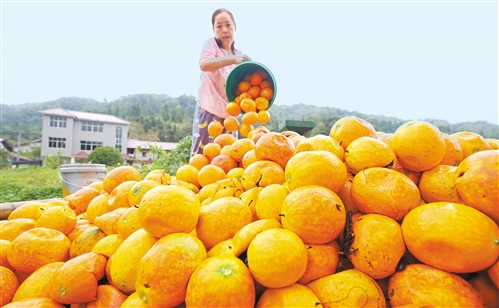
(243, 58)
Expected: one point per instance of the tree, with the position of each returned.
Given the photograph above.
(171, 161)
(106, 155)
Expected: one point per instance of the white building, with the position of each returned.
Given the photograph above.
(74, 134)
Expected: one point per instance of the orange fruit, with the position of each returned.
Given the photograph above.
(9, 283)
(166, 269)
(38, 283)
(345, 195)
(36, 247)
(31, 209)
(244, 86)
(244, 95)
(243, 237)
(61, 218)
(349, 128)
(108, 222)
(249, 118)
(119, 175)
(35, 302)
(315, 213)
(225, 162)
(231, 125)
(365, 152)
(275, 147)
(240, 147)
(244, 129)
(98, 206)
(263, 173)
(264, 74)
(85, 241)
(129, 222)
(486, 288)
(126, 258)
(210, 174)
(261, 103)
(321, 142)
(451, 236)
(188, 173)
(248, 158)
(427, 285)
(77, 279)
(322, 261)
(470, 143)
(254, 92)
(221, 219)
(269, 201)
(247, 105)
(225, 139)
(315, 168)
(493, 273)
(169, 209)
(4, 247)
(225, 150)
(80, 199)
(221, 249)
(437, 184)
(295, 295)
(159, 176)
(133, 301)
(231, 284)
(263, 117)
(384, 191)
(376, 234)
(419, 145)
(256, 79)
(215, 128)
(199, 161)
(107, 245)
(277, 258)
(211, 150)
(494, 143)
(119, 196)
(233, 109)
(349, 288)
(96, 185)
(11, 229)
(249, 197)
(138, 190)
(477, 182)
(107, 296)
(265, 84)
(268, 93)
(453, 152)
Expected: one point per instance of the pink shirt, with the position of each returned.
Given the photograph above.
(211, 93)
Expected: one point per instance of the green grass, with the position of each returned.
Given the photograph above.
(29, 183)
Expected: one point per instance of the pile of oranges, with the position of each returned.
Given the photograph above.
(253, 95)
(355, 218)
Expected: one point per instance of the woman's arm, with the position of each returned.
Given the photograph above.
(213, 64)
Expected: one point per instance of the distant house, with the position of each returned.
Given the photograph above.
(30, 145)
(139, 151)
(75, 134)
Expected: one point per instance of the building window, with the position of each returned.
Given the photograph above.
(55, 142)
(92, 126)
(119, 133)
(144, 154)
(57, 121)
(89, 145)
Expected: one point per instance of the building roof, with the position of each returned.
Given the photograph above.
(134, 143)
(84, 116)
(81, 154)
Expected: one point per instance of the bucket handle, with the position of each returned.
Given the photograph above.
(74, 185)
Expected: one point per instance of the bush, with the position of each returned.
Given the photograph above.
(171, 161)
(106, 155)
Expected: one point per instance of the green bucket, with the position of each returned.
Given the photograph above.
(247, 68)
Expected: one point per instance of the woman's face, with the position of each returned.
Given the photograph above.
(224, 28)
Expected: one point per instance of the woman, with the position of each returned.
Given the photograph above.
(218, 58)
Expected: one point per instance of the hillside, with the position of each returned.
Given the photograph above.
(159, 117)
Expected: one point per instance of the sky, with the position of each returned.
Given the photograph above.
(413, 60)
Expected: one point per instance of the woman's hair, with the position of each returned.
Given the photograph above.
(213, 16)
